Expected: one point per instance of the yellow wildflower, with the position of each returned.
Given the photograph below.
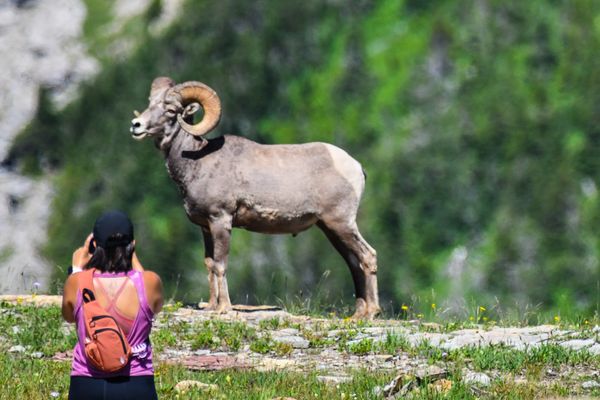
(404, 307)
(481, 308)
(433, 306)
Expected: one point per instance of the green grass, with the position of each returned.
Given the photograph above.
(38, 329)
(23, 378)
(27, 375)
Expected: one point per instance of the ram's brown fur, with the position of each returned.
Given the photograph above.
(232, 182)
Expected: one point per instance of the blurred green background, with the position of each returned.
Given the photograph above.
(477, 121)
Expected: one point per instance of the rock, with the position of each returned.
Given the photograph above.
(431, 373)
(590, 385)
(189, 384)
(63, 356)
(287, 332)
(432, 326)
(212, 362)
(37, 354)
(335, 380)
(46, 49)
(17, 349)
(578, 344)
(275, 364)
(296, 342)
(477, 378)
(595, 349)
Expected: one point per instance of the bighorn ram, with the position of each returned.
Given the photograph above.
(232, 182)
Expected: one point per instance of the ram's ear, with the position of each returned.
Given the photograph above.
(190, 109)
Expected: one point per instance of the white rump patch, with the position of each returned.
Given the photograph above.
(348, 167)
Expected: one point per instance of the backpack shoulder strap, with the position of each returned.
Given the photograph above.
(86, 285)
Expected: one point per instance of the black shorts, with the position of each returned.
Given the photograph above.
(118, 388)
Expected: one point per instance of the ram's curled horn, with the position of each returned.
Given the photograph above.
(190, 92)
(159, 84)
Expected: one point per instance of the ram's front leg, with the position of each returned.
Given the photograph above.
(209, 262)
(220, 230)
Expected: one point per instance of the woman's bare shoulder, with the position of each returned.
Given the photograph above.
(151, 278)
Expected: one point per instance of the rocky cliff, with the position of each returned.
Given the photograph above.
(43, 46)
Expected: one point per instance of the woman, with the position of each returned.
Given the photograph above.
(129, 294)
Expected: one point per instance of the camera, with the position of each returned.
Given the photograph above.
(92, 247)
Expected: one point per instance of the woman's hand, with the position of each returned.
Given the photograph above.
(81, 255)
(136, 265)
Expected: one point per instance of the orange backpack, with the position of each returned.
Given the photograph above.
(106, 346)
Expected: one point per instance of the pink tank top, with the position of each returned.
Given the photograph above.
(138, 336)
(124, 323)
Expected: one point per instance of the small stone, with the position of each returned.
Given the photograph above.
(334, 379)
(440, 386)
(16, 349)
(477, 378)
(37, 354)
(590, 385)
(382, 357)
(189, 384)
(16, 329)
(394, 386)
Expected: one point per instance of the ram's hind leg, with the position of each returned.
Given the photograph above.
(209, 263)
(362, 261)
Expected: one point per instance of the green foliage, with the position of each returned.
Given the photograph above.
(271, 323)
(393, 344)
(262, 345)
(506, 359)
(362, 347)
(38, 330)
(476, 123)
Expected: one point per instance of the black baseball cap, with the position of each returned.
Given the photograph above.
(112, 229)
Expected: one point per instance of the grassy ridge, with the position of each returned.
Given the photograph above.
(547, 370)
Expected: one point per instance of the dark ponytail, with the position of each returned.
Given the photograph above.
(113, 258)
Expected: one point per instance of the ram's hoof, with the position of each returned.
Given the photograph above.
(365, 310)
(223, 308)
(210, 307)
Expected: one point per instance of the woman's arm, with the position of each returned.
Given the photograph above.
(154, 291)
(79, 259)
(69, 298)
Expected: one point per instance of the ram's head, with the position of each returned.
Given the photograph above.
(173, 105)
